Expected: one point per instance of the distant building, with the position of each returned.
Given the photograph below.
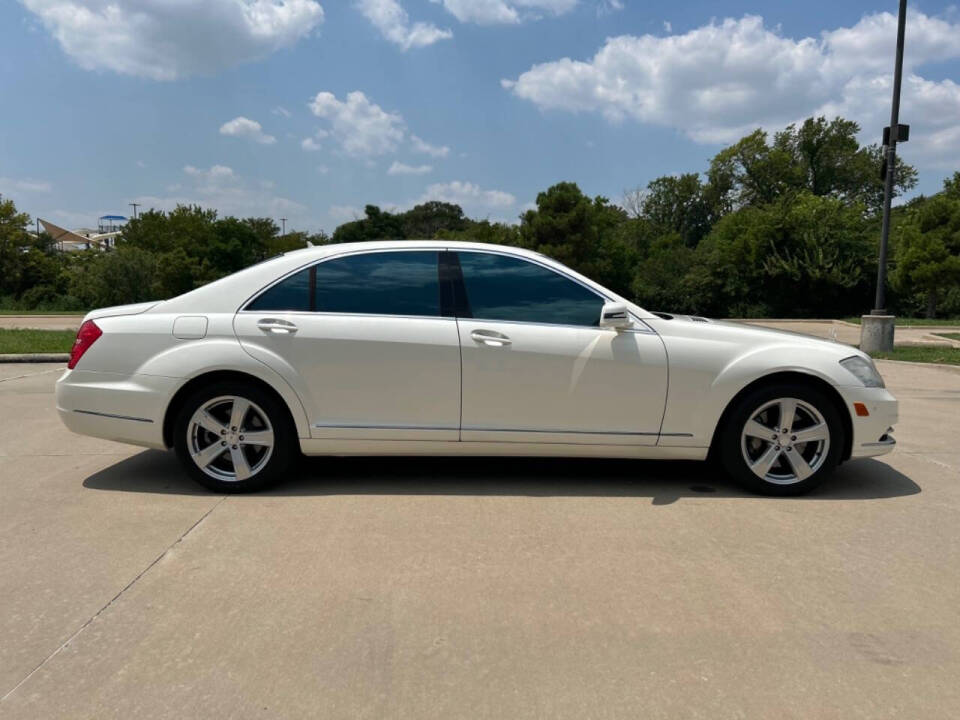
(103, 238)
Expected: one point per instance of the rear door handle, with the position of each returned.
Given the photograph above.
(490, 338)
(277, 326)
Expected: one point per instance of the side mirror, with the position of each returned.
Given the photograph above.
(615, 315)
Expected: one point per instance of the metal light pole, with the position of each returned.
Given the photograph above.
(284, 221)
(134, 206)
(876, 329)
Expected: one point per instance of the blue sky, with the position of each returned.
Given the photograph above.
(309, 109)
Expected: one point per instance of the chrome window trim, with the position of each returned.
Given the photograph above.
(345, 253)
(645, 329)
(640, 325)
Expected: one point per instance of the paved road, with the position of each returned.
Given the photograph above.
(849, 333)
(476, 589)
(41, 322)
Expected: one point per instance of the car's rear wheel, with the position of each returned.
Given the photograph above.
(234, 438)
(782, 439)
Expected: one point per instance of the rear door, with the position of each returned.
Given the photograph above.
(538, 369)
(362, 339)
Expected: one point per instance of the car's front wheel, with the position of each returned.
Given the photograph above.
(782, 439)
(233, 438)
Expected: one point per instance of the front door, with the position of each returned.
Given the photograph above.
(538, 369)
(362, 340)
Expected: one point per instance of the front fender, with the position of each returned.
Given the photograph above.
(703, 385)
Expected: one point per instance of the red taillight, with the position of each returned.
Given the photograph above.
(86, 336)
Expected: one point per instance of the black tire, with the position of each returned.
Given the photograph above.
(267, 468)
(735, 449)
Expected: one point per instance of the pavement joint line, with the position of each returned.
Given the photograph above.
(923, 456)
(34, 374)
(116, 597)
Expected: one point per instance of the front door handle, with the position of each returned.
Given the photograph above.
(277, 326)
(490, 338)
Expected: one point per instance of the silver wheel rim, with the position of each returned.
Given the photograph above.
(785, 441)
(230, 438)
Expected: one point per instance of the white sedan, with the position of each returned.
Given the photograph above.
(445, 348)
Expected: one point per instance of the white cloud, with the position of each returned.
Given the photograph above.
(242, 127)
(323, 169)
(280, 111)
(31, 186)
(389, 17)
(220, 188)
(492, 12)
(362, 128)
(166, 40)
(467, 194)
(345, 213)
(724, 79)
(399, 168)
(421, 146)
(607, 7)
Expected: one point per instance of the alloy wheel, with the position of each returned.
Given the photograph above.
(230, 438)
(785, 441)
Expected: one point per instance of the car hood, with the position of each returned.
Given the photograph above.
(744, 335)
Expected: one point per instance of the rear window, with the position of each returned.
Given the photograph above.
(384, 283)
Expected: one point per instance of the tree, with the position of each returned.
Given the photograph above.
(579, 232)
(376, 225)
(806, 256)
(429, 218)
(678, 204)
(13, 238)
(927, 248)
(821, 157)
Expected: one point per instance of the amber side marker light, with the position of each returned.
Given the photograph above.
(861, 410)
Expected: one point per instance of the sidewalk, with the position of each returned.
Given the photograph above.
(849, 333)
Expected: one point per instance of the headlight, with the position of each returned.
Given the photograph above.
(863, 370)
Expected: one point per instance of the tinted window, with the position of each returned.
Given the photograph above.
(391, 283)
(292, 294)
(505, 288)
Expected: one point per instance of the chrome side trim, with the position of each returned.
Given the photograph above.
(558, 432)
(321, 426)
(114, 417)
(886, 443)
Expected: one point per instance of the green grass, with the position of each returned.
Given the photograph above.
(916, 322)
(36, 341)
(942, 355)
(949, 336)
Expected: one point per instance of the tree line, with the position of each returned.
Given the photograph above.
(781, 226)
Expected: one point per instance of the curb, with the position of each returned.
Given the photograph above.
(939, 366)
(35, 358)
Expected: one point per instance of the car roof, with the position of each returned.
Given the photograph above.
(229, 293)
(337, 248)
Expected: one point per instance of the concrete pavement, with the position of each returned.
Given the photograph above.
(849, 333)
(423, 588)
(41, 322)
